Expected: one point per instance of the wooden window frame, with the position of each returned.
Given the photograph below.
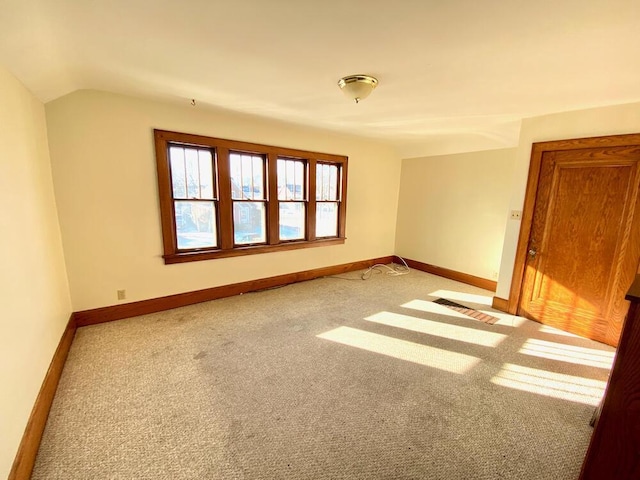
(338, 192)
(264, 200)
(304, 200)
(221, 149)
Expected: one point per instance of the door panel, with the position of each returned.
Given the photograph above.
(580, 254)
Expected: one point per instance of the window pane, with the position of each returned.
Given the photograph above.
(333, 182)
(258, 179)
(247, 176)
(292, 220)
(195, 224)
(178, 175)
(319, 182)
(291, 179)
(282, 179)
(327, 219)
(326, 182)
(235, 161)
(206, 174)
(249, 223)
(193, 173)
(299, 181)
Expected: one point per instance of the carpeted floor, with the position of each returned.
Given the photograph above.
(325, 379)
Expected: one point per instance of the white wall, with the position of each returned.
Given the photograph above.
(615, 120)
(104, 173)
(453, 209)
(34, 299)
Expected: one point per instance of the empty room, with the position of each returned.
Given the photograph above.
(319, 240)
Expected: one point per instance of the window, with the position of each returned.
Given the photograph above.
(249, 198)
(291, 199)
(194, 202)
(221, 198)
(326, 200)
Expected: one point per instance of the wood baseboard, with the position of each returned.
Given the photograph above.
(500, 304)
(153, 305)
(28, 449)
(452, 274)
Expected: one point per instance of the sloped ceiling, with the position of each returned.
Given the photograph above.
(451, 72)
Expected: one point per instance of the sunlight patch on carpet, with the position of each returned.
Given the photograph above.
(401, 349)
(555, 331)
(506, 319)
(550, 384)
(568, 353)
(438, 329)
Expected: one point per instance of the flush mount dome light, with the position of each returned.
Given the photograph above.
(357, 87)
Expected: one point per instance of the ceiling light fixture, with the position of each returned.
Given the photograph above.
(358, 87)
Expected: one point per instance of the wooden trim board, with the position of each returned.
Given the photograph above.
(28, 449)
(153, 305)
(500, 304)
(451, 274)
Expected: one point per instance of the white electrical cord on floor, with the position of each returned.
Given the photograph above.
(397, 270)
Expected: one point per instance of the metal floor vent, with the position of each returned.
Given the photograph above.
(475, 314)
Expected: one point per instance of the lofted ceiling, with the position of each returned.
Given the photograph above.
(452, 72)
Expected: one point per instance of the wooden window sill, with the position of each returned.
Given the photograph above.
(198, 255)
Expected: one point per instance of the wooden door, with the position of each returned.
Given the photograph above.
(583, 252)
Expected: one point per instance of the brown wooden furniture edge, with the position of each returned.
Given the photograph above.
(592, 464)
(28, 449)
(451, 274)
(152, 305)
(633, 295)
(500, 304)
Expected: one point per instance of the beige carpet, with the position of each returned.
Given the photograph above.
(325, 379)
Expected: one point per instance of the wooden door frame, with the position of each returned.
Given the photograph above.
(538, 149)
